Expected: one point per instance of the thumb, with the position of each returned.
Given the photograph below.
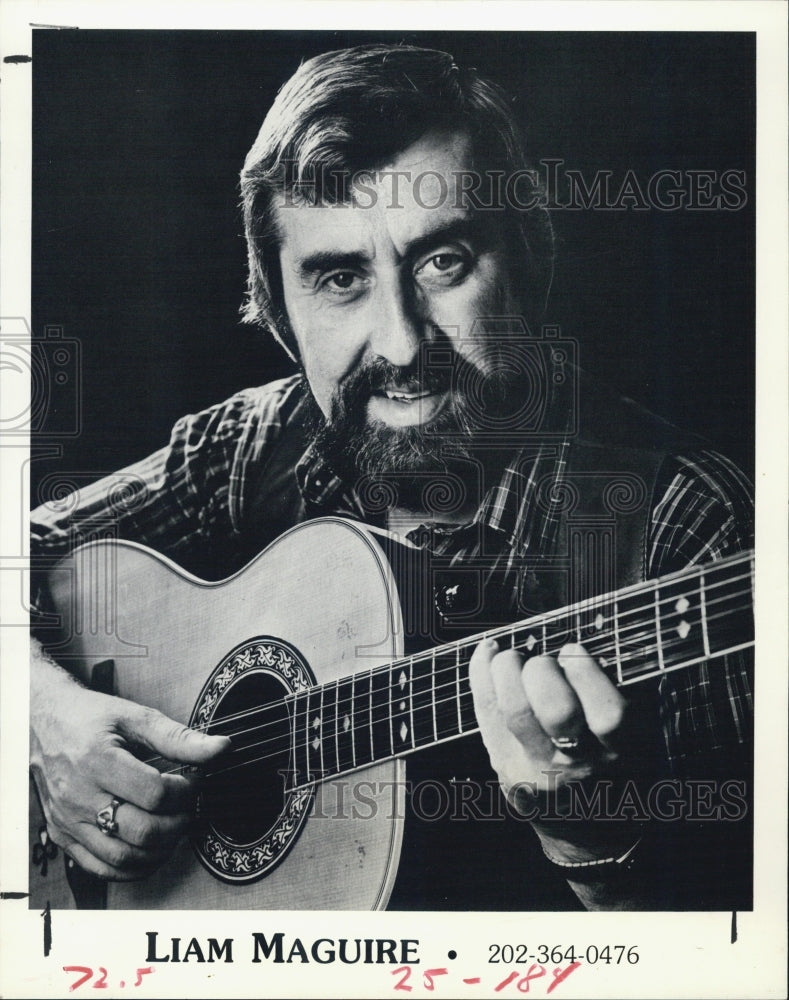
(169, 738)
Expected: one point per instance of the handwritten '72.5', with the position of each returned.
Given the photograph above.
(101, 982)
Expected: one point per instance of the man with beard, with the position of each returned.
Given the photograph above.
(406, 281)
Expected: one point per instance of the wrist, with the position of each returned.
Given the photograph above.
(584, 844)
(583, 864)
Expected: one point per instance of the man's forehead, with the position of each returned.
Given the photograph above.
(417, 194)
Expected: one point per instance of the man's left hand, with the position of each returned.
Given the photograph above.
(547, 722)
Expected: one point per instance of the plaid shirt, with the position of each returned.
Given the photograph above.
(197, 494)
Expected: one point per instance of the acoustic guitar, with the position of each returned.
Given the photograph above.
(301, 659)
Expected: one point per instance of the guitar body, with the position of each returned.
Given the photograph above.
(318, 604)
(299, 659)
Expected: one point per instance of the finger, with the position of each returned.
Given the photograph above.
(554, 703)
(116, 854)
(515, 706)
(148, 831)
(95, 866)
(178, 743)
(602, 703)
(482, 690)
(501, 745)
(141, 784)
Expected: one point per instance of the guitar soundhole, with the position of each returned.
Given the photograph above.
(245, 798)
(249, 816)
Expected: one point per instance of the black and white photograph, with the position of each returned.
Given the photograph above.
(393, 427)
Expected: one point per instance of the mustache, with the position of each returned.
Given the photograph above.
(377, 375)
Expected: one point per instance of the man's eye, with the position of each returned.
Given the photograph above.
(341, 280)
(445, 261)
(445, 267)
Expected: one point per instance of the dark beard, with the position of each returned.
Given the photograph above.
(413, 459)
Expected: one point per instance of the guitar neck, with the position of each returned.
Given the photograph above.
(643, 631)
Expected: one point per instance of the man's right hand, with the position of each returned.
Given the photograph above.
(82, 756)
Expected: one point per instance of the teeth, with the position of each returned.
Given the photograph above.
(406, 396)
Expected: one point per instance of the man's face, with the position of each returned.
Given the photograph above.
(367, 285)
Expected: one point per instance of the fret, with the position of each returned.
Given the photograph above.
(558, 630)
(468, 718)
(433, 694)
(361, 719)
(595, 629)
(309, 771)
(411, 699)
(658, 637)
(380, 702)
(703, 600)
(528, 640)
(729, 607)
(422, 701)
(345, 725)
(315, 730)
(337, 725)
(681, 617)
(445, 685)
(402, 725)
(457, 687)
(300, 758)
(390, 710)
(328, 730)
(617, 649)
(352, 720)
(637, 642)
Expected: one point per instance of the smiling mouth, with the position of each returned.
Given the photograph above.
(404, 406)
(407, 396)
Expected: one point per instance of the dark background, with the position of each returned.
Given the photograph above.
(138, 250)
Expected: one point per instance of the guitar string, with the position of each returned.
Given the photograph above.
(389, 669)
(619, 635)
(453, 649)
(450, 704)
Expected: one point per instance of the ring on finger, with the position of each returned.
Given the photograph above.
(105, 818)
(571, 746)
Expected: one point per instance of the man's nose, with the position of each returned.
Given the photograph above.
(397, 326)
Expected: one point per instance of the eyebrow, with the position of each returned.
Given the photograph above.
(467, 227)
(329, 260)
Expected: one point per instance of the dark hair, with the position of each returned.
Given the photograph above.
(353, 110)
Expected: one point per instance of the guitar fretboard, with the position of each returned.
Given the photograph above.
(420, 700)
